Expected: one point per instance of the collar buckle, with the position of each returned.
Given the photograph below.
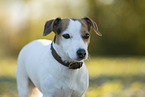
(75, 65)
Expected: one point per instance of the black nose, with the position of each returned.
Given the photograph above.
(81, 53)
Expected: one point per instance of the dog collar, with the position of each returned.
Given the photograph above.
(70, 65)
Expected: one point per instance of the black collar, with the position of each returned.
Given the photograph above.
(70, 65)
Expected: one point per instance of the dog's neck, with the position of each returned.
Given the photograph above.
(70, 65)
(60, 52)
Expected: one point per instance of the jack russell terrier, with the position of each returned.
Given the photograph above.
(56, 68)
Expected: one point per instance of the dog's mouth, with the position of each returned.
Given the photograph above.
(77, 59)
(74, 63)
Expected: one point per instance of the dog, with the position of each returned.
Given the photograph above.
(56, 68)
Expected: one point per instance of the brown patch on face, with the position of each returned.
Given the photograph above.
(85, 30)
(61, 28)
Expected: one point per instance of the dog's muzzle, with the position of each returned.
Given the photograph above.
(70, 65)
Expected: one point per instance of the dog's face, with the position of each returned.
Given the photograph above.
(72, 36)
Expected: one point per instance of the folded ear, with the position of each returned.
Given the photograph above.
(50, 26)
(91, 23)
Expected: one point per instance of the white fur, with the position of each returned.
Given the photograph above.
(36, 63)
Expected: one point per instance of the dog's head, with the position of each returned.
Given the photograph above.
(72, 36)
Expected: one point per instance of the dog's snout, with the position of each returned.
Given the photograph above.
(81, 53)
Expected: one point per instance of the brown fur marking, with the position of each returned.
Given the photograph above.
(64, 25)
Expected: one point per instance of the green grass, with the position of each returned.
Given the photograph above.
(109, 77)
(7, 77)
(116, 77)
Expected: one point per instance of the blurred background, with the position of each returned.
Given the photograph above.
(117, 59)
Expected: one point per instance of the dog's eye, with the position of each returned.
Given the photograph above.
(66, 36)
(86, 36)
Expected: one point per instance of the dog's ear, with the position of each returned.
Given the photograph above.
(50, 26)
(92, 24)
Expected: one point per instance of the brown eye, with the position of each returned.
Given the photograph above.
(86, 36)
(66, 36)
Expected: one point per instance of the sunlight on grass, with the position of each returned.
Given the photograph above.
(116, 77)
(117, 89)
(107, 88)
(109, 77)
(8, 67)
(7, 77)
(115, 66)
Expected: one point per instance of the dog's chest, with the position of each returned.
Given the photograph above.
(71, 85)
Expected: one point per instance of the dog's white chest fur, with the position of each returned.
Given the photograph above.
(49, 76)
